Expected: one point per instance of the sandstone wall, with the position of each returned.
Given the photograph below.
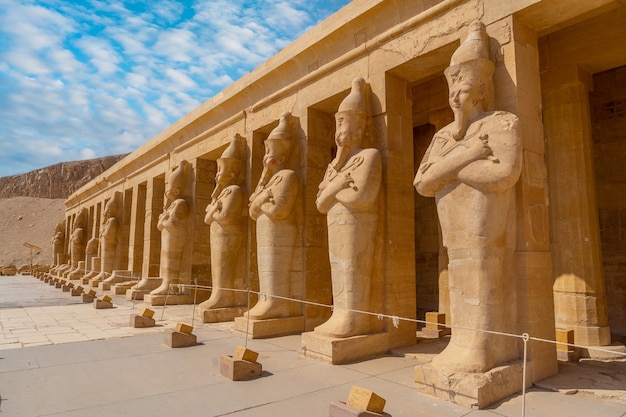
(55, 181)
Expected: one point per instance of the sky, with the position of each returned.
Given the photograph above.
(86, 79)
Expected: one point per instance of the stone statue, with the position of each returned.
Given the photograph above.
(108, 235)
(77, 238)
(471, 168)
(173, 225)
(273, 207)
(91, 251)
(58, 244)
(225, 216)
(348, 195)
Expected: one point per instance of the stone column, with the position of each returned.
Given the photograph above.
(392, 128)
(579, 290)
(519, 91)
(319, 127)
(152, 236)
(137, 225)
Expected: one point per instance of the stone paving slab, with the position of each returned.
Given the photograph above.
(93, 364)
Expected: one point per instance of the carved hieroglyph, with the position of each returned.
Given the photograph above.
(471, 168)
(225, 216)
(58, 244)
(348, 194)
(173, 224)
(272, 206)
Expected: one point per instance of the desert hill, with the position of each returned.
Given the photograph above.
(56, 181)
(31, 220)
(31, 205)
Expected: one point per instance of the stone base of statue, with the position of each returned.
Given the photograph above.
(170, 300)
(95, 271)
(85, 280)
(138, 321)
(259, 329)
(57, 284)
(95, 281)
(75, 292)
(66, 288)
(471, 390)
(341, 350)
(122, 287)
(118, 276)
(78, 272)
(147, 285)
(219, 315)
(175, 339)
(341, 409)
(238, 369)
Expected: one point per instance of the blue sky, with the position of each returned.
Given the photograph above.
(85, 79)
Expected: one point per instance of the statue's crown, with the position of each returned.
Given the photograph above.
(471, 59)
(355, 101)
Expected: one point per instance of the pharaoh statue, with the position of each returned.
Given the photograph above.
(108, 236)
(91, 251)
(77, 239)
(224, 215)
(58, 244)
(273, 207)
(471, 167)
(173, 225)
(348, 195)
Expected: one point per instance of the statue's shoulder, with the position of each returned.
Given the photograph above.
(287, 174)
(369, 153)
(501, 116)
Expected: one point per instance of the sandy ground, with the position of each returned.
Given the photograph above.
(31, 220)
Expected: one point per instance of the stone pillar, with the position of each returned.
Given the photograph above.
(579, 290)
(121, 259)
(201, 255)
(392, 130)
(320, 143)
(137, 225)
(519, 91)
(152, 236)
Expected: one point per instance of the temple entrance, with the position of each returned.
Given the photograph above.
(430, 113)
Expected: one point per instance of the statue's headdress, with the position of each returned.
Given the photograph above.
(471, 59)
(280, 138)
(234, 155)
(113, 205)
(356, 101)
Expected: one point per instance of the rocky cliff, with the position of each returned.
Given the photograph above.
(55, 181)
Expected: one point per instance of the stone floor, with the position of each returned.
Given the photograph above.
(60, 357)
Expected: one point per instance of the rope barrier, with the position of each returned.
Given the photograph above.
(395, 320)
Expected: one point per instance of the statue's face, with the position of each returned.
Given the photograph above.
(225, 174)
(349, 129)
(465, 96)
(272, 159)
(172, 193)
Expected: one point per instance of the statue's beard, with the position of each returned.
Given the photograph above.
(266, 175)
(216, 192)
(460, 124)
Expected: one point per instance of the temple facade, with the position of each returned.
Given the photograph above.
(559, 67)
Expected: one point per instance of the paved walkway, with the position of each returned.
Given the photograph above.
(106, 372)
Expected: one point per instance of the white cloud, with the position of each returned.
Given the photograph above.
(100, 77)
